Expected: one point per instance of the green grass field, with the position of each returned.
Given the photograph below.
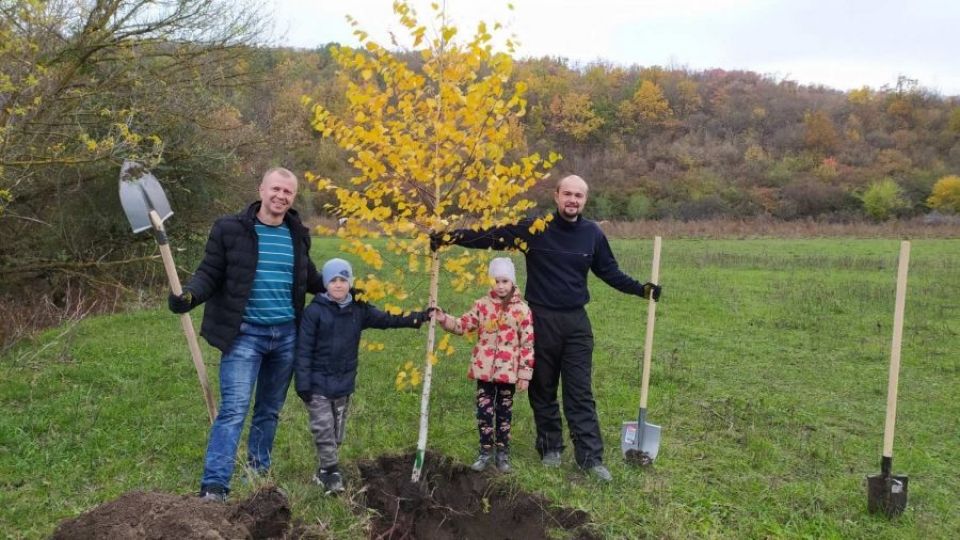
(769, 382)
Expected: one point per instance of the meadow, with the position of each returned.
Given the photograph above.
(769, 381)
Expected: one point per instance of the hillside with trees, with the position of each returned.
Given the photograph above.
(191, 90)
(688, 145)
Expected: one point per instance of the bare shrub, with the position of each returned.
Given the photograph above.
(810, 197)
(25, 313)
(919, 227)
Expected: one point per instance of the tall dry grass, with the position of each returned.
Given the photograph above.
(768, 228)
(920, 227)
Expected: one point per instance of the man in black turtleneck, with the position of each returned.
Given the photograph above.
(558, 260)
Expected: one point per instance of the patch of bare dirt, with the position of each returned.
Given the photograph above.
(449, 502)
(452, 502)
(151, 515)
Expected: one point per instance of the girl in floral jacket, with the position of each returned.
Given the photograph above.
(502, 359)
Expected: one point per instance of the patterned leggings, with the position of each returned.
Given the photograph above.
(494, 413)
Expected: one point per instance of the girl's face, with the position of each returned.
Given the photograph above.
(503, 287)
(338, 288)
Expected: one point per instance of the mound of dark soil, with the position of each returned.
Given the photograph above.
(150, 515)
(451, 501)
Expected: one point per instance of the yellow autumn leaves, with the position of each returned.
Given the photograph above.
(435, 143)
(409, 376)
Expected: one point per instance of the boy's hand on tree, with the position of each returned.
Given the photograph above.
(420, 317)
(436, 241)
(306, 396)
(652, 290)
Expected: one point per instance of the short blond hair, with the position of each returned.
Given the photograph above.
(278, 170)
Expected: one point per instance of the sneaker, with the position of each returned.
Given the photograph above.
(503, 460)
(213, 493)
(600, 473)
(330, 480)
(483, 459)
(551, 458)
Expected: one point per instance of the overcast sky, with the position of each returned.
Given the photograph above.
(841, 44)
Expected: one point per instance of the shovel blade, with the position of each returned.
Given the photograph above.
(639, 442)
(886, 494)
(140, 192)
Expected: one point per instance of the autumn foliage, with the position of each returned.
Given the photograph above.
(434, 146)
(946, 195)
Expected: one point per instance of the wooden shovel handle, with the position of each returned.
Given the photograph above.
(894, 377)
(185, 322)
(651, 316)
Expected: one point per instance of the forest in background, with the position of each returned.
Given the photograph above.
(189, 89)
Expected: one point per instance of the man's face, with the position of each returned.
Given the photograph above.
(277, 193)
(571, 196)
(502, 287)
(338, 288)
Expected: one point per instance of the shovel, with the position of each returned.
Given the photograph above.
(887, 493)
(640, 440)
(146, 207)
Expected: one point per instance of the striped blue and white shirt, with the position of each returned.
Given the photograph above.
(271, 299)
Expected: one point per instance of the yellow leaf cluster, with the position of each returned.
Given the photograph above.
(372, 346)
(367, 253)
(408, 377)
(444, 345)
(435, 145)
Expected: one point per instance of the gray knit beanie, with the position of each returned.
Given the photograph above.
(337, 268)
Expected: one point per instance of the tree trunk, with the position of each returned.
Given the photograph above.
(427, 371)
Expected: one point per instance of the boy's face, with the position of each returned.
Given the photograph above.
(338, 288)
(502, 287)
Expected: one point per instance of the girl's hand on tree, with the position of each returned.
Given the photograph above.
(522, 384)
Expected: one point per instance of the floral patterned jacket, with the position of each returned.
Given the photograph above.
(504, 349)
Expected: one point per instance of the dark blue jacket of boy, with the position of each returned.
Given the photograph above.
(329, 342)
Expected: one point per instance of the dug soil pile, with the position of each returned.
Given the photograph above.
(148, 515)
(449, 502)
(452, 502)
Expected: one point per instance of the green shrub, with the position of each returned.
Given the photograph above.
(638, 206)
(882, 199)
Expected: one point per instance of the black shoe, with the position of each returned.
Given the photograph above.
(599, 472)
(484, 457)
(551, 459)
(503, 460)
(330, 480)
(213, 492)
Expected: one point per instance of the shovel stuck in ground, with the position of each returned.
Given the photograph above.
(146, 206)
(640, 440)
(887, 493)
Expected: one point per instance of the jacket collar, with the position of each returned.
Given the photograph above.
(564, 224)
(323, 300)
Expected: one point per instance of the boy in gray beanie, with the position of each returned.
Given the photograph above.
(326, 364)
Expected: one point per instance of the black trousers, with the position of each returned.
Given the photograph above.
(494, 413)
(563, 352)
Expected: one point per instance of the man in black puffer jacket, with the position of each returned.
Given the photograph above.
(254, 277)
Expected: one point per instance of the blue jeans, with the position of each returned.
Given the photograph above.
(261, 356)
